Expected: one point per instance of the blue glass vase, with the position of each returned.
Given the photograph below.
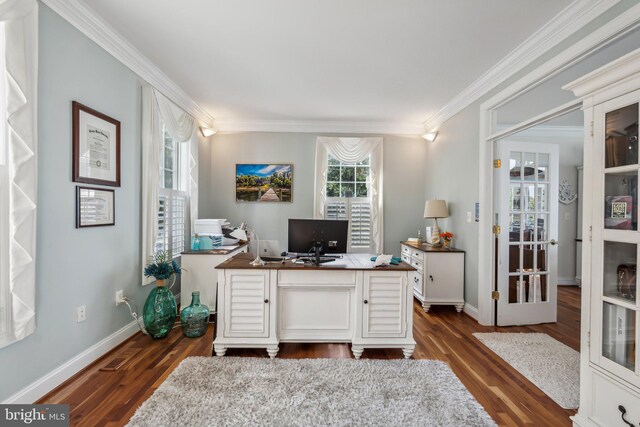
(195, 317)
(159, 311)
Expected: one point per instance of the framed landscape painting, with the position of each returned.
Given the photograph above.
(264, 182)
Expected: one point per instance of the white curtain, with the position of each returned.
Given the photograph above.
(151, 156)
(20, 77)
(183, 128)
(156, 110)
(350, 150)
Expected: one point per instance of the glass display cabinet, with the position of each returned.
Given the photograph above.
(610, 362)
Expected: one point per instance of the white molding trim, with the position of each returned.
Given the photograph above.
(607, 33)
(97, 29)
(557, 133)
(471, 311)
(563, 25)
(319, 126)
(53, 379)
(567, 281)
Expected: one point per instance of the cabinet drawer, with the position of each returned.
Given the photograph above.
(406, 250)
(417, 264)
(607, 395)
(417, 254)
(406, 258)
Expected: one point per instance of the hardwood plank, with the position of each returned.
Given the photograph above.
(102, 398)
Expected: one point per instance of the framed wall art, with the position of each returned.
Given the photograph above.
(95, 207)
(264, 182)
(96, 147)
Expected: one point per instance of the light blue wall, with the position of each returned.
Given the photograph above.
(78, 267)
(403, 171)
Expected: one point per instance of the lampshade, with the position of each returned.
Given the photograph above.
(436, 209)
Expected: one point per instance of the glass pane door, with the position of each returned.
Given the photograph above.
(617, 239)
(528, 227)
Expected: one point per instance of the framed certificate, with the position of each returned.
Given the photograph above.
(95, 207)
(96, 147)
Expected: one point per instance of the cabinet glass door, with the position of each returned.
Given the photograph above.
(616, 237)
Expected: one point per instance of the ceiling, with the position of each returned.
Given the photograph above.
(325, 60)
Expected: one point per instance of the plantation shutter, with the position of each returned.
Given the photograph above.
(360, 218)
(172, 217)
(358, 212)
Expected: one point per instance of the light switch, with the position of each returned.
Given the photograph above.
(469, 218)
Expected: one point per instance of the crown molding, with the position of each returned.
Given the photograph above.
(568, 21)
(319, 126)
(555, 133)
(95, 28)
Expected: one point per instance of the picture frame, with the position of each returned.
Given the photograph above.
(96, 147)
(264, 182)
(95, 207)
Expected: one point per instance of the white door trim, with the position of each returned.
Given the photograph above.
(608, 33)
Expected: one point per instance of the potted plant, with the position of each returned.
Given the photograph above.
(447, 236)
(160, 309)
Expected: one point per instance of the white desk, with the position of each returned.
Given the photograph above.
(347, 300)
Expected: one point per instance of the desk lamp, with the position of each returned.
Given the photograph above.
(435, 209)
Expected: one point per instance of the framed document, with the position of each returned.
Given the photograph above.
(96, 147)
(95, 207)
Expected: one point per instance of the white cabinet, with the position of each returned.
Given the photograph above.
(384, 305)
(439, 275)
(246, 304)
(200, 275)
(247, 313)
(610, 327)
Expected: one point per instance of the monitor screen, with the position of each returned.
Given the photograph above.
(303, 233)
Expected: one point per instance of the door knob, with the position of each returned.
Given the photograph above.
(266, 301)
(366, 302)
(553, 242)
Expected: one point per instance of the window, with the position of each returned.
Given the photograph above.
(5, 313)
(348, 197)
(173, 197)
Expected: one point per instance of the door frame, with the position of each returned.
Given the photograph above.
(540, 309)
(595, 41)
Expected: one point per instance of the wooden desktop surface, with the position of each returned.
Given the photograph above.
(347, 262)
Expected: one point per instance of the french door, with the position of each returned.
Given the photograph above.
(527, 208)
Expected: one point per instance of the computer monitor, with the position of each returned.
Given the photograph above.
(304, 233)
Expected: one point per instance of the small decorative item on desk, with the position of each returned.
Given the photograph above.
(195, 317)
(195, 243)
(160, 309)
(447, 237)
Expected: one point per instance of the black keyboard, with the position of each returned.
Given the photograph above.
(271, 259)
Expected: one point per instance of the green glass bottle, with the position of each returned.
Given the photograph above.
(160, 311)
(195, 317)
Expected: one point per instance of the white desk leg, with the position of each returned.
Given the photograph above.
(273, 351)
(357, 351)
(219, 349)
(408, 351)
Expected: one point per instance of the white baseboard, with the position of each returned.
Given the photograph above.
(471, 310)
(53, 379)
(567, 281)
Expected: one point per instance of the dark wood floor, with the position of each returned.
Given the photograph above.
(100, 398)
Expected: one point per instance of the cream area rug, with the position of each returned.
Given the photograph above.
(546, 362)
(237, 391)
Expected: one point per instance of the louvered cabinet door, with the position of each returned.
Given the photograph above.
(384, 305)
(246, 304)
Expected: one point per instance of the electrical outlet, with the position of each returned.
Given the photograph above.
(82, 313)
(119, 296)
